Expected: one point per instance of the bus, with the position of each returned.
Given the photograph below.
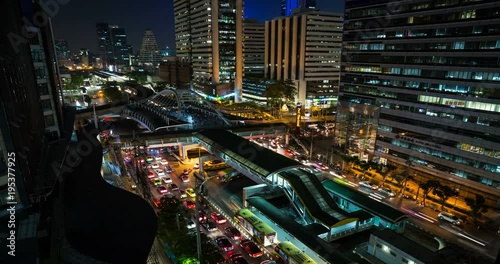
(259, 230)
(228, 174)
(290, 254)
(214, 165)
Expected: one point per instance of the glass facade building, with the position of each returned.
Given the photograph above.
(209, 34)
(420, 82)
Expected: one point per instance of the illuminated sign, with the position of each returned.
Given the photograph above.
(298, 111)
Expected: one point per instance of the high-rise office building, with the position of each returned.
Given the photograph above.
(22, 123)
(121, 49)
(422, 86)
(305, 48)
(149, 55)
(182, 13)
(63, 53)
(84, 56)
(62, 49)
(287, 6)
(253, 48)
(113, 47)
(47, 76)
(209, 34)
(106, 50)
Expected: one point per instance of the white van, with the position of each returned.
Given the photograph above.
(450, 218)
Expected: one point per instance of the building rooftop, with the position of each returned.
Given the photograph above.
(375, 208)
(405, 244)
(322, 248)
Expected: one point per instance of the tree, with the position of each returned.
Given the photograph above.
(364, 166)
(210, 251)
(349, 161)
(444, 192)
(170, 219)
(386, 171)
(75, 83)
(477, 206)
(112, 94)
(428, 186)
(280, 92)
(139, 77)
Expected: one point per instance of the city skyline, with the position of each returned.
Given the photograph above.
(71, 19)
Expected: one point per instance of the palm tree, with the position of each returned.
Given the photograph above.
(444, 192)
(428, 186)
(385, 171)
(477, 206)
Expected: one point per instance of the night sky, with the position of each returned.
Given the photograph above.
(75, 21)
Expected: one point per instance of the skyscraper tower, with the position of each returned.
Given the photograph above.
(105, 45)
(288, 5)
(422, 88)
(209, 33)
(149, 54)
(62, 49)
(113, 47)
(120, 47)
(254, 47)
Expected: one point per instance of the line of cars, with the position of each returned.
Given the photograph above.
(374, 187)
(231, 237)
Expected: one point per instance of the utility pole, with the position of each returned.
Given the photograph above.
(178, 222)
(311, 150)
(197, 216)
(95, 116)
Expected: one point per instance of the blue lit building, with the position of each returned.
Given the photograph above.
(288, 5)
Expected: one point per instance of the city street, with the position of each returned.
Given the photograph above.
(424, 219)
(178, 170)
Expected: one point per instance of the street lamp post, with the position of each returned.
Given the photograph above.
(311, 150)
(95, 116)
(456, 196)
(197, 189)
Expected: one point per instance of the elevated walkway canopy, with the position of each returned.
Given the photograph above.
(381, 210)
(230, 147)
(325, 251)
(318, 203)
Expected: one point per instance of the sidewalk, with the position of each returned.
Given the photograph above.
(412, 187)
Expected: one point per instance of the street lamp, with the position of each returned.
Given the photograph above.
(197, 189)
(311, 150)
(456, 196)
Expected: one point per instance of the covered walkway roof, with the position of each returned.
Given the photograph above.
(375, 208)
(316, 199)
(259, 160)
(301, 233)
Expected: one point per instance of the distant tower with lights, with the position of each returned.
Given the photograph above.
(149, 54)
(288, 5)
